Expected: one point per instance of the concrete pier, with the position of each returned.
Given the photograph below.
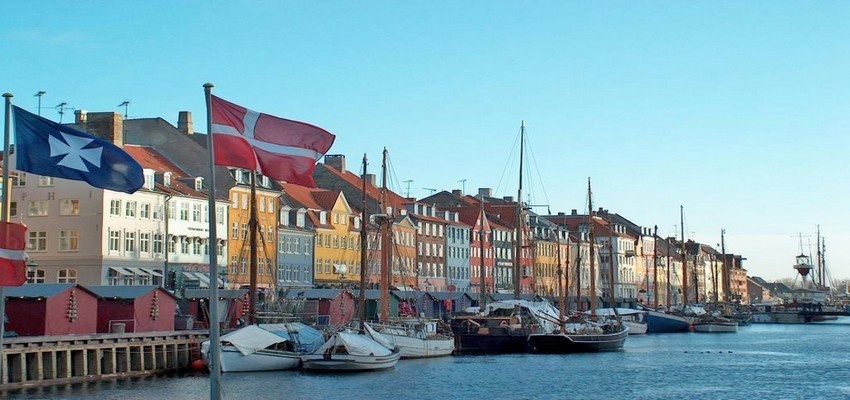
(48, 360)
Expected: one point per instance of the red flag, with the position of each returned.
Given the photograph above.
(13, 241)
(282, 149)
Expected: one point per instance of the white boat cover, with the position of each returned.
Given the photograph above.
(381, 339)
(356, 344)
(251, 339)
(306, 338)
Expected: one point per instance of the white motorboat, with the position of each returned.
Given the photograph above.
(417, 338)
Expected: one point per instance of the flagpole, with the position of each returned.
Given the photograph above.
(214, 358)
(4, 217)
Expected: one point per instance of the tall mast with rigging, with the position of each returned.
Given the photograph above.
(655, 268)
(727, 266)
(519, 220)
(252, 252)
(386, 243)
(364, 223)
(482, 293)
(590, 240)
(562, 290)
(684, 257)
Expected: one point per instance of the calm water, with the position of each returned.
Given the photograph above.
(759, 362)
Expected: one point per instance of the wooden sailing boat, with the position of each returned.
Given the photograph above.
(415, 337)
(665, 322)
(586, 336)
(361, 350)
(501, 327)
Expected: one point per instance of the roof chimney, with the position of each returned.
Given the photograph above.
(509, 199)
(371, 179)
(80, 116)
(336, 161)
(184, 122)
(106, 125)
(485, 192)
(457, 192)
(574, 212)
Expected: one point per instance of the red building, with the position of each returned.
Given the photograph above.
(134, 308)
(44, 309)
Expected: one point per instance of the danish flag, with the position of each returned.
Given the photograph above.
(281, 149)
(13, 241)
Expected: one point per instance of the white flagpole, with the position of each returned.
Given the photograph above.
(4, 217)
(215, 345)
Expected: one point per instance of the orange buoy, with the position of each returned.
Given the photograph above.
(199, 364)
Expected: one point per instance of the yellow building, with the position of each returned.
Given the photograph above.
(337, 236)
(239, 221)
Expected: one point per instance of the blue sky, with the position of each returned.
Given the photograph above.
(737, 111)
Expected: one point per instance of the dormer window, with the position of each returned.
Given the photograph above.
(166, 179)
(300, 218)
(149, 179)
(199, 183)
(323, 217)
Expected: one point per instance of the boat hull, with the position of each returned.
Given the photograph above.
(716, 327)
(348, 362)
(414, 347)
(636, 328)
(558, 343)
(492, 343)
(658, 322)
(263, 360)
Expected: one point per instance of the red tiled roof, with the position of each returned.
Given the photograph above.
(372, 191)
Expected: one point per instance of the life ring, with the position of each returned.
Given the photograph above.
(503, 323)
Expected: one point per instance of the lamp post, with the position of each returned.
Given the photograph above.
(32, 268)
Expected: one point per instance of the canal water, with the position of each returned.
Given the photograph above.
(759, 362)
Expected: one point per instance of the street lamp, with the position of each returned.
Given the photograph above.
(32, 267)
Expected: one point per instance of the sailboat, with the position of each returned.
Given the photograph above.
(500, 327)
(415, 337)
(347, 349)
(663, 321)
(585, 336)
(265, 347)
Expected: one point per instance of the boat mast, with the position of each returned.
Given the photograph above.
(820, 263)
(562, 290)
(363, 246)
(669, 281)
(655, 268)
(611, 268)
(252, 253)
(684, 257)
(590, 240)
(386, 243)
(727, 266)
(482, 292)
(519, 219)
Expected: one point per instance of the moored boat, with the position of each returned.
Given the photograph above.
(350, 351)
(580, 338)
(266, 347)
(661, 322)
(716, 325)
(417, 338)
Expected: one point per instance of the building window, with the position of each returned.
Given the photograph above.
(130, 241)
(19, 179)
(115, 207)
(69, 240)
(196, 213)
(219, 214)
(38, 208)
(196, 246)
(66, 276)
(37, 277)
(157, 212)
(69, 207)
(130, 209)
(157, 243)
(145, 211)
(13, 208)
(37, 241)
(144, 242)
(184, 211)
(234, 231)
(114, 240)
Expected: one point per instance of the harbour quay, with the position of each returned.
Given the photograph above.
(51, 360)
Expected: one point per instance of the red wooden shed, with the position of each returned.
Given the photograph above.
(335, 306)
(134, 308)
(42, 309)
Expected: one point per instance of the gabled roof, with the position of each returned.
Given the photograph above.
(124, 292)
(149, 158)
(44, 290)
(331, 178)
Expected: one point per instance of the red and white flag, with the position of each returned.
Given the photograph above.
(281, 149)
(13, 241)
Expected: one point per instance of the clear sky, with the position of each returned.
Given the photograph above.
(737, 111)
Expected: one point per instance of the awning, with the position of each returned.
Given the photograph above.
(152, 272)
(121, 271)
(137, 271)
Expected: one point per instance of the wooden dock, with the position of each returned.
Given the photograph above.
(50, 360)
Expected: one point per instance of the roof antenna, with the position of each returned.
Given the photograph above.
(39, 94)
(61, 106)
(126, 105)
